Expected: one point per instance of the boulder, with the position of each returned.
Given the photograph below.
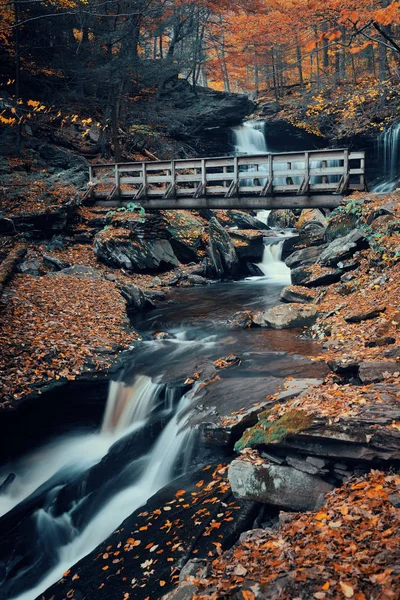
(285, 316)
(184, 233)
(80, 271)
(221, 251)
(358, 316)
(306, 256)
(282, 218)
(298, 294)
(135, 298)
(118, 247)
(324, 276)
(56, 264)
(249, 245)
(311, 219)
(343, 248)
(31, 266)
(197, 280)
(277, 485)
(61, 158)
(378, 370)
(243, 220)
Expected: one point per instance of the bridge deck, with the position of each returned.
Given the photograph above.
(289, 180)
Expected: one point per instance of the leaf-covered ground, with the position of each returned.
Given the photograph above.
(55, 327)
(348, 549)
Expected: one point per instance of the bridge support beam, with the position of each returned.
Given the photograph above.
(243, 202)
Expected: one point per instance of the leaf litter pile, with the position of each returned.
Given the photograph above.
(349, 549)
(57, 326)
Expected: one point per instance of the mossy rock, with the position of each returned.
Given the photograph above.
(273, 432)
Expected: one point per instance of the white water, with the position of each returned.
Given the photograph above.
(263, 216)
(124, 406)
(272, 265)
(389, 152)
(249, 138)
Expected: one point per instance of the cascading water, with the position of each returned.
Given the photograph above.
(249, 138)
(272, 265)
(129, 411)
(388, 144)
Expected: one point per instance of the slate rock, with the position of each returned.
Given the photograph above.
(343, 248)
(364, 315)
(376, 370)
(243, 220)
(135, 298)
(297, 294)
(325, 276)
(80, 271)
(221, 251)
(305, 256)
(285, 316)
(56, 264)
(119, 248)
(276, 485)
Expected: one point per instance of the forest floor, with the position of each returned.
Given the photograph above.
(335, 111)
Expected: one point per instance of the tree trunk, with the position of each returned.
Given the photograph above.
(299, 65)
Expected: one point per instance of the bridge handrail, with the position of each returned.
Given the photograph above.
(227, 176)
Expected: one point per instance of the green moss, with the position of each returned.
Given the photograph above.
(272, 432)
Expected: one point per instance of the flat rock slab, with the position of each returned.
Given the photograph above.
(378, 370)
(324, 276)
(287, 316)
(298, 294)
(364, 315)
(305, 256)
(276, 485)
(343, 248)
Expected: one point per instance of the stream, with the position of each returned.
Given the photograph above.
(64, 498)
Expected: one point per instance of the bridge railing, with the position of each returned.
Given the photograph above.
(299, 173)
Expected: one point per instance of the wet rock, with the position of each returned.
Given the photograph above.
(306, 256)
(276, 485)
(243, 318)
(38, 222)
(282, 218)
(249, 247)
(155, 295)
(7, 482)
(343, 248)
(378, 370)
(244, 220)
(61, 158)
(364, 315)
(221, 251)
(163, 335)
(197, 280)
(297, 294)
(119, 248)
(135, 298)
(394, 499)
(324, 276)
(302, 465)
(287, 316)
(348, 265)
(110, 277)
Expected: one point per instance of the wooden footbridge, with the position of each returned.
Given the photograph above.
(318, 178)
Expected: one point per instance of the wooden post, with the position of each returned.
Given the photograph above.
(225, 170)
(144, 178)
(324, 166)
(271, 173)
(362, 176)
(306, 171)
(203, 176)
(289, 180)
(173, 175)
(236, 173)
(116, 176)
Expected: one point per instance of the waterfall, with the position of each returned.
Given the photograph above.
(128, 405)
(263, 216)
(388, 144)
(272, 265)
(128, 409)
(249, 138)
